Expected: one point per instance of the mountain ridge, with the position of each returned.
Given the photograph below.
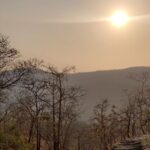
(119, 69)
(108, 84)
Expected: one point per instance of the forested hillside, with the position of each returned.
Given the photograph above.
(43, 108)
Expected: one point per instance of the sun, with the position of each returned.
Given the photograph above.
(119, 18)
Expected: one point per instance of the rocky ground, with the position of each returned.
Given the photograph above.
(142, 143)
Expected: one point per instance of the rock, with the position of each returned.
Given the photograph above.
(129, 145)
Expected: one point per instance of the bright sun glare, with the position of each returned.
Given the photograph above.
(119, 18)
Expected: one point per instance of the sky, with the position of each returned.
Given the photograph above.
(73, 33)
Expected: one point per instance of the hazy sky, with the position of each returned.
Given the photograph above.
(67, 32)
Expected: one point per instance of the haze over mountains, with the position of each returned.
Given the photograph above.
(99, 85)
(105, 84)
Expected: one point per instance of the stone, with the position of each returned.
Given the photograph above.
(129, 145)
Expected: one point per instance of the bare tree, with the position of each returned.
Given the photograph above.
(10, 73)
(34, 96)
(101, 123)
(63, 103)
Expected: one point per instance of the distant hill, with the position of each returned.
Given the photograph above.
(105, 84)
(99, 85)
